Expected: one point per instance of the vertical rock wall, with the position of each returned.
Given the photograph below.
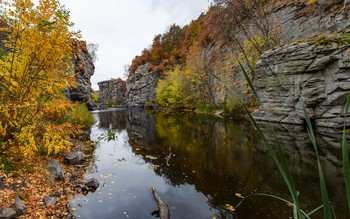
(320, 74)
(84, 68)
(141, 86)
(112, 93)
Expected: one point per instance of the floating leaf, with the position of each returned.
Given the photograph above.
(153, 167)
(239, 195)
(151, 157)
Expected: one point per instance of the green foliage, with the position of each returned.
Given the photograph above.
(233, 105)
(151, 103)
(80, 116)
(172, 91)
(110, 103)
(95, 96)
(6, 164)
(324, 193)
(209, 108)
(110, 135)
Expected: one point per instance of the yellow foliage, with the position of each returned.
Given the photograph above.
(174, 89)
(35, 71)
(311, 2)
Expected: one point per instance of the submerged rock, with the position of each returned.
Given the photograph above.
(55, 169)
(92, 184)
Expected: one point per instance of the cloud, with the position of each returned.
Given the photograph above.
(123, 28)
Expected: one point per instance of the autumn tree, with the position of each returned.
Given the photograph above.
(92, 49)
(164, 53)
(34, 72)
(241, 23)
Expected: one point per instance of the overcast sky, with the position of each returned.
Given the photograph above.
(123, 28)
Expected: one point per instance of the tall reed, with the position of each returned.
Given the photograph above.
(282, 165)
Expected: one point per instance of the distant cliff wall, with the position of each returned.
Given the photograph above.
(112, 93)
(141, 86)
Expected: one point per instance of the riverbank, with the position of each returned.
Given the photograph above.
(32, 182)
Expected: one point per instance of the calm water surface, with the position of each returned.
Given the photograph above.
(197, 164)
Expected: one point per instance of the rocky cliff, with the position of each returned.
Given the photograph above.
(84, 68)
(112, 93)
(141, 86)
(320, 74)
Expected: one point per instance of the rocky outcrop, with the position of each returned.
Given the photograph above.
(299, 21)
(320, 74)
(141, 86)
(112, 93)
(84, 68)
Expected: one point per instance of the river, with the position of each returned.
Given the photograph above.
(198, 163)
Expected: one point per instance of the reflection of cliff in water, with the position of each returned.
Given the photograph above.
(140, 126)
(300, 153)
(223, 157)
(113, 119)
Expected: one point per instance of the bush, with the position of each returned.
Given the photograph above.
(95, 96)
(80, 116)
(233, 105)
(207, 108)
(172, 91)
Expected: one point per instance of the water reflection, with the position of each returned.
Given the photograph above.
(198, 163)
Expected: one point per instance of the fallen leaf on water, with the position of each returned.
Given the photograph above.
(153, 167)
(107, 176)
(151, 157)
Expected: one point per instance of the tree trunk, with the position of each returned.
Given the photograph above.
(162, 206)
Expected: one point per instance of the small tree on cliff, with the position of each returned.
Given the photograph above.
(34, 72)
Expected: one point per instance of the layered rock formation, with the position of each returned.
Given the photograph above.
(141, 86)
(112, 93)
(320, 74)
(84, 68)
(298, 21)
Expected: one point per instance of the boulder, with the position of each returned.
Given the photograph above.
(7, 213)
(49, 201)
(55, 169)
(92, 184)
(20, 207)
(16, 210)
(74, 158)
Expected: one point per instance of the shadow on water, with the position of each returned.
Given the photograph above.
(198, 163)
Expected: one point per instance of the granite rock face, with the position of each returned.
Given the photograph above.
(112, 93)
(84, 68)
(141, 86)
(320, 74)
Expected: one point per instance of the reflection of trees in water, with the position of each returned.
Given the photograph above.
(117, 118)
(221, 157)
